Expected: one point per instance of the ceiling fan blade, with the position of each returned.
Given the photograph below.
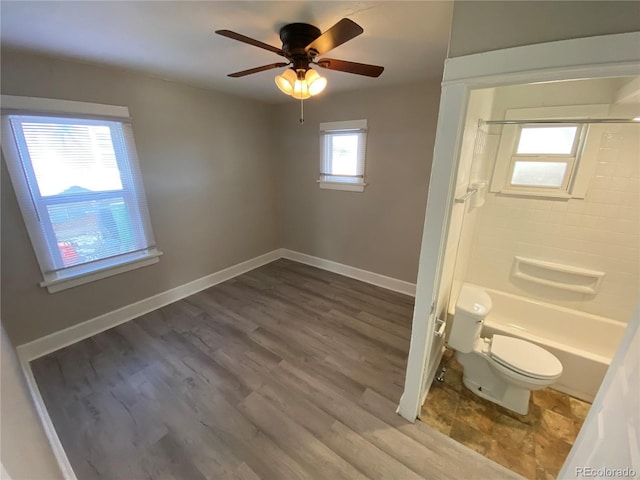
(351, 67)
(341, 32)
(243, 38)
(257, 69)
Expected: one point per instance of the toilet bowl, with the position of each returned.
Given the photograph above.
(501, 369)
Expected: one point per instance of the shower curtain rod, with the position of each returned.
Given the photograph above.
(560, 120)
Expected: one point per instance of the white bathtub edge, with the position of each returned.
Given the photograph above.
(553, 306)
(545, 342)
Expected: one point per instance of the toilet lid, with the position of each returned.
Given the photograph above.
(524, 357)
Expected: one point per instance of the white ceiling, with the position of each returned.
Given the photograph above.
(175, 39)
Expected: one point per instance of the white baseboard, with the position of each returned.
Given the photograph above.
(348, 271)
(68, 336)
(47, 424)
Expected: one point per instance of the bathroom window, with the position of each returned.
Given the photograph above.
(342, 155)
(544, 157)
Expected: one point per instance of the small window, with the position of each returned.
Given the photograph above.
(544, 159)
(80, 192)
(342, 155)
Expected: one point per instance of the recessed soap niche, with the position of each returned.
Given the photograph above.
(557, 275)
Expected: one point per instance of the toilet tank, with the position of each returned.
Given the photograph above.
(472, 307)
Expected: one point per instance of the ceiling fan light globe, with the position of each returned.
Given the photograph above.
(301, 90)
(317, 85)
(284, 85)
(286, 81)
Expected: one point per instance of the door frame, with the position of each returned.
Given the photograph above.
(582, 58)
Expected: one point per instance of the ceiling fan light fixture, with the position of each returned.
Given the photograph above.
(287, 81)
(315, 82)
(301, 90)
(301, 86)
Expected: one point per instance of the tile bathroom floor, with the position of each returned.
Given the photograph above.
(534, 445)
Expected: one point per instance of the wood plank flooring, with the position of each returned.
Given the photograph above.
(285, 372)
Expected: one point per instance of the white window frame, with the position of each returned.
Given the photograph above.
(570, 160)
(32, 206)
(330, 181)
(580, 163)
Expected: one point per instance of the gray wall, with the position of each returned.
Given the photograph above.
(482, 26)
(228, 179)
(207, 167)
(25, 453)
(380, 229)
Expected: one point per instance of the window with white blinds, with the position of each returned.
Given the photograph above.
(79, 188)
(342, 155)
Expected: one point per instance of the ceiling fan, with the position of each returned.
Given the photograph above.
(301, 44)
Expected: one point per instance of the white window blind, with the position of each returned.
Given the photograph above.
(80, 191)
(342, 152)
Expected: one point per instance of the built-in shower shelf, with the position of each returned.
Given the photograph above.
(557, 275)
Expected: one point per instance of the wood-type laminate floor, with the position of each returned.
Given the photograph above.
(284, 372)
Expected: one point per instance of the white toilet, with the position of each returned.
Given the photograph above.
(501, 369)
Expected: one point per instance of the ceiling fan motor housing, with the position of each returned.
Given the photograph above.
(295, 38)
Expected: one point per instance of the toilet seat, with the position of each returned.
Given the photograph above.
(524, 358)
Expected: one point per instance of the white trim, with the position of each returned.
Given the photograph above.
(344, 125)
(60, 283)
(52, 105)
(444, 170)
(593, 57)
(348, 187)
(366, 276)
(47, 423)
(559, 60)
(3, 473)
(75, 333)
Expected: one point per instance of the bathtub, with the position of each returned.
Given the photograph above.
(584, 343)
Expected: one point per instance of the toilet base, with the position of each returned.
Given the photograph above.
(484, 381)
(512, 398)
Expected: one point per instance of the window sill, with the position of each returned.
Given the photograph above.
(534, 193)
(61, 281)
(345, 186)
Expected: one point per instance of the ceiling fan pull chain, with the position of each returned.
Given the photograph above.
(301, 111)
